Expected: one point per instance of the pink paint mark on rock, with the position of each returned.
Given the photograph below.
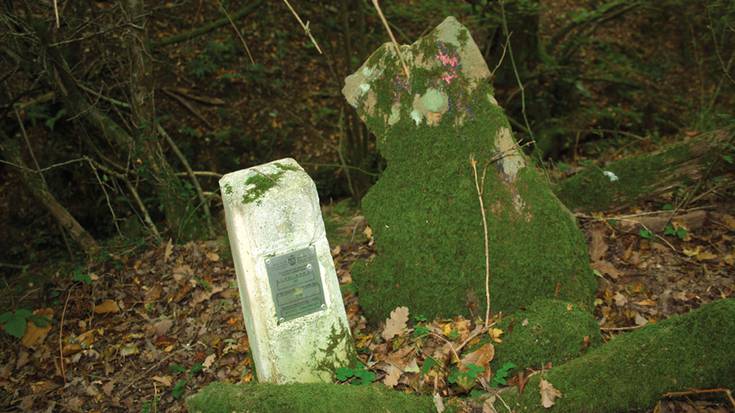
(447, 60)
(448, 77)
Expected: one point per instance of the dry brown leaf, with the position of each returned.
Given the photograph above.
(438, 403)
(182, 273)
(108, 387)
(646, 302)
(480, 357)
(598, 246)
(729, 221)
(620, 299)
(548, 393)
(605, 267)
(392, 374)
(212, 256)
(161, 327)
(107, 306)
(204, 295)
(368, 232)
(34, 334)
(165, 380)
(208, 361)
(395, 325)
(153, 294)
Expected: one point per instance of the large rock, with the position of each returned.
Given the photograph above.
(634, 370)
(424, 209)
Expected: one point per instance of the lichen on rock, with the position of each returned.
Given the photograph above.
(424, 210)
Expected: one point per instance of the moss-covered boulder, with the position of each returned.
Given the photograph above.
(626, 181)
(548, 331)
(635, 369)
(424, 209)
(304, 398)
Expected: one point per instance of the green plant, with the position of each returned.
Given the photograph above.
(14, 323)
(361, 375)
(81, 277)
(500, 378)
(646, 234)
(179, 388)
(679, 232)
(465, 378)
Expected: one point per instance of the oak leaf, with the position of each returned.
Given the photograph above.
(395, 325)
(548, 393)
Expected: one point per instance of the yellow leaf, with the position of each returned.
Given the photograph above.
(495, 334)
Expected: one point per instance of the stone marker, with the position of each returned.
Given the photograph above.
(291, 301)
(424, 209)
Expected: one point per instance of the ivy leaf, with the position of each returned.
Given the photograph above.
(16, 326)
(644, 233)
(343, 373)
(501, 376)
(178, 389)
(5, 317)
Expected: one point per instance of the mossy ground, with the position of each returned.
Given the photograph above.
(636, 177)
(426, 219)
(632, 371)
(304, 398)
(548, 331)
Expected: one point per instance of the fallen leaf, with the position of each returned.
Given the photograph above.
(495, 334)
(598, 246)
(108, 387)
(129, 350)
(480, 357)
(368, 232)
(213, 256)
(412, 366)
(107, 306)
(161, 327)
(34, 334)
(153, 294)
(706, 256)
(392, 374)
(204, 295)
(548, 393)
(640, 320)
(207, 363)
(438, 403)
(646, 302)
(620, 299)
(396, 324)
(605, 267)
(165, 380)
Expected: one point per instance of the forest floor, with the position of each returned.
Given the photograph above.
(145, 329)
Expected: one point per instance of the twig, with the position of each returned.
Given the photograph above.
(190, 108)
(145, 373)
(473, 163)
(61, 335)
(502, 56)
(194, 180)
(727, 392)
(201, 173)
(56, 14)
(620, 328)
(306, 28)
(234, 27)
(515, 72)
(392, 38)
(451, 347)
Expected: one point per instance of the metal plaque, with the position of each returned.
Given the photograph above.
(295, 283)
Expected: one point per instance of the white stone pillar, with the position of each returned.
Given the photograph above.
(291, 301)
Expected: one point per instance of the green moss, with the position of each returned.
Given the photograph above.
(259, 184)
(304, 398)
(548, 331)
(428, 230)
(592, 190)
(635, 369)
(285, 167)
